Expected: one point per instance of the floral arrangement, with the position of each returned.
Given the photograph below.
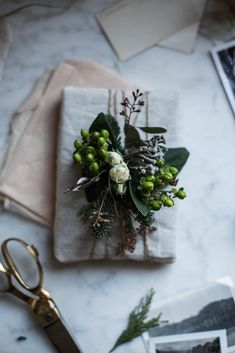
(130, 181)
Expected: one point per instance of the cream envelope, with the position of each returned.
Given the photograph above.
(135, 25)
(183, 40)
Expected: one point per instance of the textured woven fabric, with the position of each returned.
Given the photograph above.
(72, 240)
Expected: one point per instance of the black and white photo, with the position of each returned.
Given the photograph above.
(224, 59)
(208, 309)
(213, 341)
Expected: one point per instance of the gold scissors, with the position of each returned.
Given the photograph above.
(38, 298)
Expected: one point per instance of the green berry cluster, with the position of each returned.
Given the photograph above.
(92, 149)
(152, 188)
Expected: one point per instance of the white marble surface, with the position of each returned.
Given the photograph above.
(95, 299)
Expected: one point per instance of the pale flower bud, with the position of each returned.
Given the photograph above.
(119, 173)
(113, 158)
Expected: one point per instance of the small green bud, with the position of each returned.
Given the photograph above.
(160, 163)
(94, 168)
(181, 194)
(90, 157)
(158, 182)
(173, 170)
(77, 158)
(91, 149)
(95, 135)
(103, 153)
(147, 194)
(150, 178)
(142, 180)
(169, 202)
(77, 144)
(101, 141)
(164, 198)
(104, 133)
(156, 205)
(167, 176)
(148, 186)
(105, 146)
(84, 133)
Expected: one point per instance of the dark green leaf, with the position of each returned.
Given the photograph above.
(132, 137)
(141, 207)
(152, 130)
(108, 122)
(176, 157)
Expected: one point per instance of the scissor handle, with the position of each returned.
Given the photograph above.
(14, 269)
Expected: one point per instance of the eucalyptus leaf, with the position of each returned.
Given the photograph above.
(132, 137)
(152, 130)
(107, 122)
(176, 157)
(141, 207)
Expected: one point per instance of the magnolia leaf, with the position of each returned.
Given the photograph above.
(141, 207)
(132, 137)
(107, 122)
(176, 157)
(152, 130)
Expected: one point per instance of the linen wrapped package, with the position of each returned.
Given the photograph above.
(73, 241)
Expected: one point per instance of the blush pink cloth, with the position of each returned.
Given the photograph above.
(27, 180)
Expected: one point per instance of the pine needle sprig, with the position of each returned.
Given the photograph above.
(136, 322)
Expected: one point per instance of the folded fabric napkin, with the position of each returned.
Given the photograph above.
(27, 179)
(5, 38)
(72, 240)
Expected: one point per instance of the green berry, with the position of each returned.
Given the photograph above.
(169, 202)
(101, 141)
(103, 153)
(91, 149)
(104, 133)
(77, 144)
(90, 157)
(150, 178)
(77, 158)
(181, 194)
(94, 168)
(167, 176)
(173, 170)
(156, 205)
(160, 163)
(95, 135)
(84, 133)
(148, 186)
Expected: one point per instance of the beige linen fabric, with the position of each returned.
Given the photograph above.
(27, 180)
(72, 240)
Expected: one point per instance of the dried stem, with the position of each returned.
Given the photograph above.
(134, 107)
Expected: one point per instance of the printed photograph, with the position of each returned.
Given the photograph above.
(205, 342)
(224, 59)
(208, 309)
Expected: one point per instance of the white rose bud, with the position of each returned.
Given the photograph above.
(120, 173)
(113, 158)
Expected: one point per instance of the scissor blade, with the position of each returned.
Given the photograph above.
(61, 338)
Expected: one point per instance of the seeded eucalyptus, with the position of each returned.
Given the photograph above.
(129, 182)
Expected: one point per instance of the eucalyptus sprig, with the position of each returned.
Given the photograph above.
(136, 322)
